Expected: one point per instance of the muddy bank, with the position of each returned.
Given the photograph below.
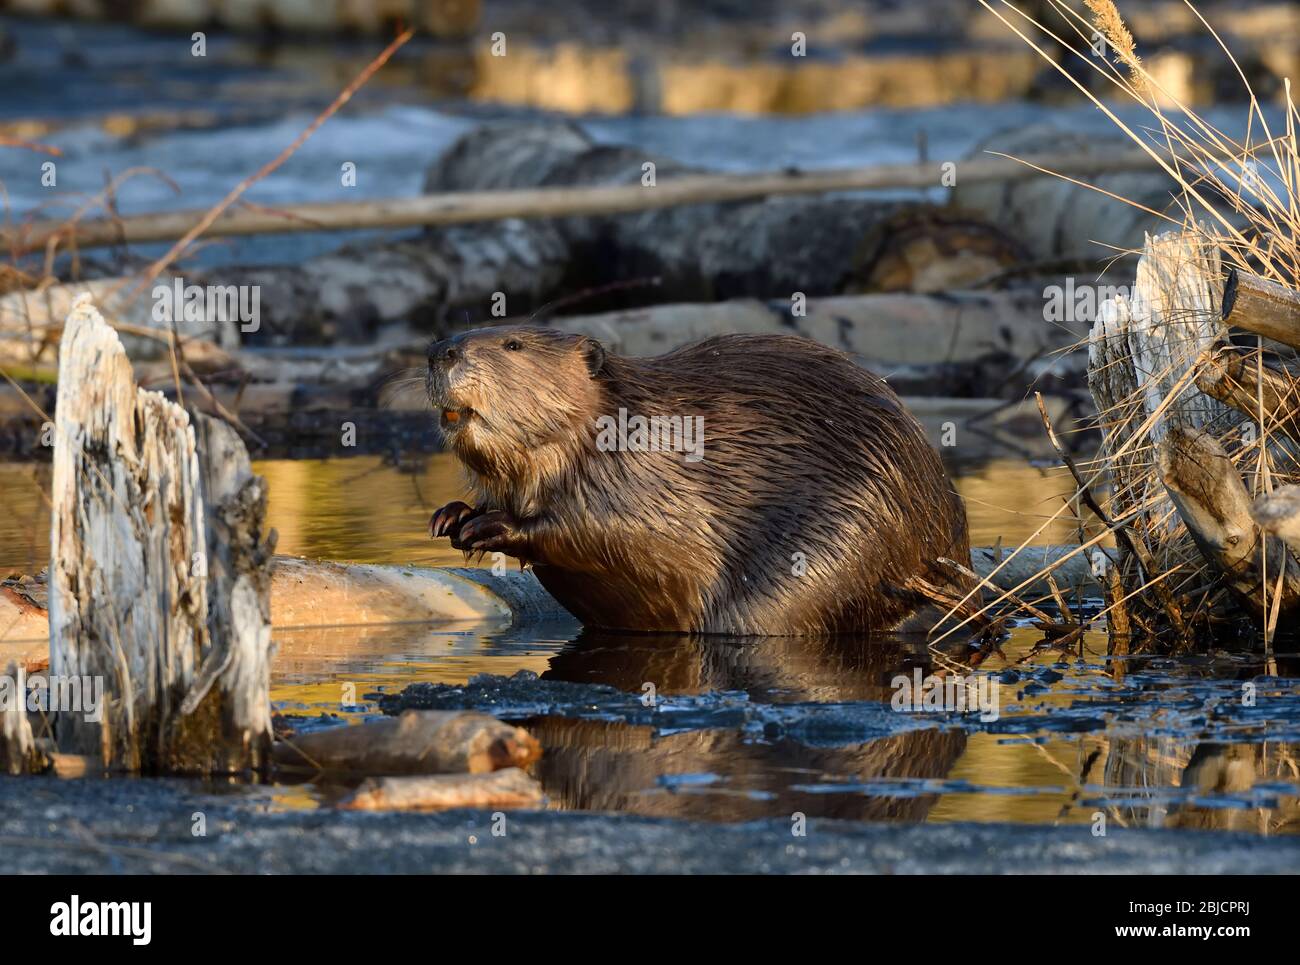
(147, 827)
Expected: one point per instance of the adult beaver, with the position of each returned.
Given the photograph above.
(813, 496)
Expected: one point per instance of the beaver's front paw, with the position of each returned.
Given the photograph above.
(448, 520)
(492, 532)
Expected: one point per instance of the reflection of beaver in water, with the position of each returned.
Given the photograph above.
(815, 496)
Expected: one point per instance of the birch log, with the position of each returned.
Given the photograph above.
(168, 612)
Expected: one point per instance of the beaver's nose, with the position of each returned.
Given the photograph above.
(446, 355)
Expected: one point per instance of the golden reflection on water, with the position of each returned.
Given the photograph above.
(365, 510)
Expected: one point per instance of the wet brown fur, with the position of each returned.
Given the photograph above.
(805, 452)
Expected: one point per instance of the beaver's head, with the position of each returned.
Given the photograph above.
(510, 396)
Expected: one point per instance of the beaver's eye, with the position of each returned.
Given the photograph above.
(513, 345)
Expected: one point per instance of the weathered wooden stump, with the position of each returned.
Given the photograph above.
(159, 580)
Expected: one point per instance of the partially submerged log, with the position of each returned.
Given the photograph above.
(307, 594)
(158, 594)
(416, 742)
(506, 788)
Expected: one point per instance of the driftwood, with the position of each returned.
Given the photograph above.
(506, 788)
(467, 207)
(1262, 306)
(158, 595)
(1237, 379)
(321, 593)
(417, 742)
(1214, 505)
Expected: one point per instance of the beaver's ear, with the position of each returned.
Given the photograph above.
(594, 354)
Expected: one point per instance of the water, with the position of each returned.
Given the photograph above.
(738, 729)
(746, 729)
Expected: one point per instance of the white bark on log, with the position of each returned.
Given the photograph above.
(129, 574)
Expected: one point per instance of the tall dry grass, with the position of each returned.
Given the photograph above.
(1236, 197)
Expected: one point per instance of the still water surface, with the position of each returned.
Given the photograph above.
(756, 728)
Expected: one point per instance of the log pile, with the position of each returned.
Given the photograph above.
(1201, 448)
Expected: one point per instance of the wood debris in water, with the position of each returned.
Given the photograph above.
(416, 742)
(506, 788)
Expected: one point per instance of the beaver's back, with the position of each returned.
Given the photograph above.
(817, 495)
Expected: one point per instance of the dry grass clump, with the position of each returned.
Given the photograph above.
(1236, 204)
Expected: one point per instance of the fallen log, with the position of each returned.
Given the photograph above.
(1053, 217)
(416, 742)
(1262, 306)
(466, 207)
(884, 330)
(153, 591)
(506, 788)
(32, 321)
(1216, 509)
(321, 593)
(1237, 379)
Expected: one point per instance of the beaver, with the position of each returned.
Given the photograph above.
(808, 499)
